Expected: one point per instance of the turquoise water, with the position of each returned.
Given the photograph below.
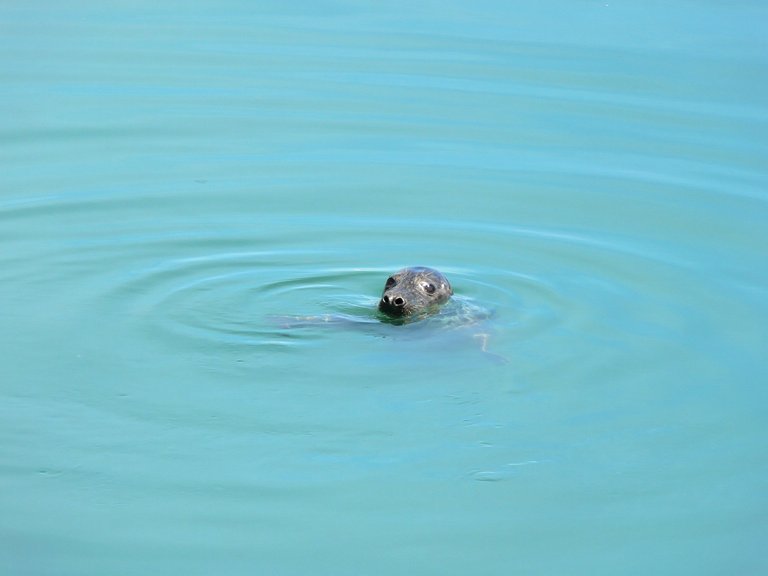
(175, 178)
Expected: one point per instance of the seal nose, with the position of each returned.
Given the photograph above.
(396, 302)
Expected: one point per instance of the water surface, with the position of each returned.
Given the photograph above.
(174, 178)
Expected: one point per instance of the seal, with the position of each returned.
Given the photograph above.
(415, 291)
(418, 296)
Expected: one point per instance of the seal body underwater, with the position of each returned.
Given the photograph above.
(414, 292)
(421, 298)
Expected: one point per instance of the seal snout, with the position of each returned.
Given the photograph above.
(394, 305)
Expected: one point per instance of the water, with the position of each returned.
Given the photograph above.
(175, 177)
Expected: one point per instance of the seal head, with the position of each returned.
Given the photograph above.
(413, 292)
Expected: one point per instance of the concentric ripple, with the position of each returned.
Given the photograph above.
(209, 284)
(225, 299)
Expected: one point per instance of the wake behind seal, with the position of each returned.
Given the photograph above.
(414, 292)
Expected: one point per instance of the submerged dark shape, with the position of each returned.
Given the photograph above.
(415, 291)
(418, 297)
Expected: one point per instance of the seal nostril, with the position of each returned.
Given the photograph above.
(399, 301)
(385, 299)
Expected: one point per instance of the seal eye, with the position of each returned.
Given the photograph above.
(429, 288)
(390, 282)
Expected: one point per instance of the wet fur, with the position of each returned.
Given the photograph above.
(414, 291)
